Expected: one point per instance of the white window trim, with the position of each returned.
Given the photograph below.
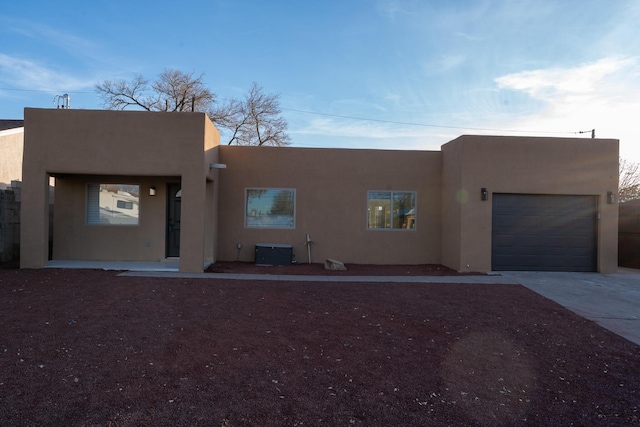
(415, 208)
(246, 191)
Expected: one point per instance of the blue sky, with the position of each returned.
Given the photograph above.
(422, 72)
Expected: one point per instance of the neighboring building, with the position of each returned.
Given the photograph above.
(482, 203)
(11, 142)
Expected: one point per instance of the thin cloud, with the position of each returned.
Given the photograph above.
(349, 128)
(68, 49)
(70, 43)
(602, 95)
(391, 9)
(345, 133)
(468, 37)
(444, 64)
(562, 81)
(27, 74)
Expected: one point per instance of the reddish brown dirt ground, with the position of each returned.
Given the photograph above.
(89, 348)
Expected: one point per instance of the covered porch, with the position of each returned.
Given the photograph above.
(130, 187)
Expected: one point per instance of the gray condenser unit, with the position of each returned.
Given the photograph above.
(273, 254)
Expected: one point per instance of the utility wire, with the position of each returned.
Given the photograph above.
(365, 119)
(420, 124)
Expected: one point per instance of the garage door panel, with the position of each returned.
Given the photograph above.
(544, 232)
(508, 221)
(530, 260)
(556, 241)
(579, 242)
(556, 231)
(506, 242)
(504, 259)
(554, 262)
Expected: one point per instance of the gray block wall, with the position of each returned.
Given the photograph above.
(10, 222)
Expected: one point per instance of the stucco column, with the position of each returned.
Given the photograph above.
(192, 224)
(34, 219)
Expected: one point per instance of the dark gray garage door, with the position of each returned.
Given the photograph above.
(544, 233)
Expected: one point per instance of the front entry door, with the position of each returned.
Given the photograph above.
(174, 198)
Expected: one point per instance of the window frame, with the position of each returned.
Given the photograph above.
(88, 201)
(391, 194)
(124, 204)
(266, 227)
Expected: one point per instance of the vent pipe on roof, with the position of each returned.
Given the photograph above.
(63, 101)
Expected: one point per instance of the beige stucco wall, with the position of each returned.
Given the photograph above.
(116, 145)
(331, 202)
(11, 146)
(525, 165)
(453, 226)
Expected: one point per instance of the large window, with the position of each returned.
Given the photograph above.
(113, 204)
(270, 208)
(394, 210)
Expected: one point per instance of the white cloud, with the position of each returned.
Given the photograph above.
(564, 81)
(604, 95)
(27, 74)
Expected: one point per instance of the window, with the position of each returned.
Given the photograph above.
(270, 208)
(113, 204)
(394, 210)
(124, 204)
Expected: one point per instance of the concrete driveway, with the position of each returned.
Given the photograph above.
(610, 300)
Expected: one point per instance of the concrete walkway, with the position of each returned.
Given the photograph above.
(610, 300)
(308, 278)
(164, 266)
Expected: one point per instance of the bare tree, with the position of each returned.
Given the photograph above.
(174, 91)
(255, 120)
(629, 184)
(119, 94)
(182, 92)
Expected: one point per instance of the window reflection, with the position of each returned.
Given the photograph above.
(391, 210)
(270, 208)
(113, 204)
